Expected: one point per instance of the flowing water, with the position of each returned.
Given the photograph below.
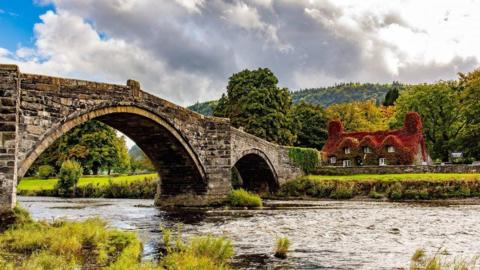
(324, 234)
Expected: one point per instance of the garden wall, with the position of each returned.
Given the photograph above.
(334, 170)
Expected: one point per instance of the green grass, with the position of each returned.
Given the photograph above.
(35, 184)
(243, 198)
(399, 177)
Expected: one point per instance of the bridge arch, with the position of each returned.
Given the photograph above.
(179, 167)
(255, 172)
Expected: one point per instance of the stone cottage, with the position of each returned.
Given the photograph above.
(405, 146)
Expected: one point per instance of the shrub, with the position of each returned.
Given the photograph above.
(281, 247)
(305, 158)
(342, 191)
(45, 171)
(243, 198)
(69, 174)
(202, 252)
(395, 191)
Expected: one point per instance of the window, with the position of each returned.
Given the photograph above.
(347, 163)
(390, 149)
(333, 160)
(382, 161)
(367, 150)
(347, 150)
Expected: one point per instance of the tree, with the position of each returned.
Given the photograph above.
(70, 173)
(469, 91)
(312, 125)
(441, 111)
(139, 160)
(361, 115)
(255, 103)
(95, 145)
(391, 95)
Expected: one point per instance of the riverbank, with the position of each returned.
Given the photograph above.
(142, 186)
(394, 187)
(90, 244)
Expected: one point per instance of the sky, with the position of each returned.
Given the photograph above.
(185, 50)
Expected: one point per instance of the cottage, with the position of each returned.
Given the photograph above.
(405, 146)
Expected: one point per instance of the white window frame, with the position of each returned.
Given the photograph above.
(382, 161)
(367, 150)
(347, 163)
(347, 150)
(390, 149)
(333, 160)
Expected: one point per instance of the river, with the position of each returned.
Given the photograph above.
(324, 234)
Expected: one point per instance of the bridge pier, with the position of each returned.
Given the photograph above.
(9, 95)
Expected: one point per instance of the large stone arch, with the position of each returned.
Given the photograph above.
(256, 171)
(180, 169)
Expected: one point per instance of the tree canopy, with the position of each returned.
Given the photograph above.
(312, 124)
(255, 103)
(93, 144)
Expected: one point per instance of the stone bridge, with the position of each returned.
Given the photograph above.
(193, 154)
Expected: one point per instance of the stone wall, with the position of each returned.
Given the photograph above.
(8, 116)
(333, 170)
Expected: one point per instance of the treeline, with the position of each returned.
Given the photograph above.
(345, 93)
(325, 96)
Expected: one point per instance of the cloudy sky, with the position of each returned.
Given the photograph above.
(185, 50)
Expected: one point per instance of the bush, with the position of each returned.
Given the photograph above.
(395, 191)
(45, 171)
(69, 174)
(202, 252)
(342, 191)
(281, 247)
(243, 198)
(305, 158)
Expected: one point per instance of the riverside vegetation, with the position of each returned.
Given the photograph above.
(90, 244)
(132, 186)
(393, 187)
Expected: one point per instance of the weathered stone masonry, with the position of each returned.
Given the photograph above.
(193, 154)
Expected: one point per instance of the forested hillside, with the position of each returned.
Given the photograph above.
(325, 96)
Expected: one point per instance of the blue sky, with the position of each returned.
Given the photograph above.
(17, 19)
(185, 50)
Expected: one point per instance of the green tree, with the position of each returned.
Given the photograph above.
(70, 173)
(312, 125)
(124, 161)
(255, 102)
(95, 145)
(469, 91)
(392, 95)
(441, 111)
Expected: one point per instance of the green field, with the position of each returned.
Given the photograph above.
(33, 184)
(400, 177)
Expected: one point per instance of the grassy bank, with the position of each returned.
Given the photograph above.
(32, 183)
(90, 244)
(386, 186)
(133, 186)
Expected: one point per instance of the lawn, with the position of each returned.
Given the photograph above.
(33, 184)
(400, 177)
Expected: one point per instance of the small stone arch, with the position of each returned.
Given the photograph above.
(177, 163)
(255, 171)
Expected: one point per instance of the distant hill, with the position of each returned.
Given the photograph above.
(325, 96)
(205, 108)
